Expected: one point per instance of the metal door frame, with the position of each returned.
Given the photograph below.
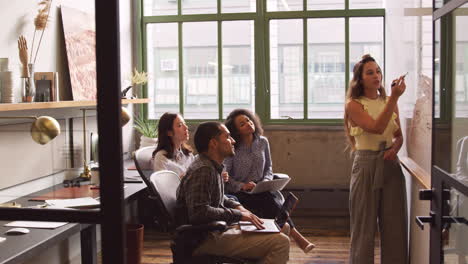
(441, 183)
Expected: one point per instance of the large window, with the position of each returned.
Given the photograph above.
(287, 60)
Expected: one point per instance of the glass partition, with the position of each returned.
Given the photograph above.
(451, 138)
(455, 232)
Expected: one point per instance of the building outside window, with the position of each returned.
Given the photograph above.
(205, 60)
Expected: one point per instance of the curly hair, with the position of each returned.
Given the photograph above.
(230, 124)
(356, 90)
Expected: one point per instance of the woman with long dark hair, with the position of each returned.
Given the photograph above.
(252, 164)
(377, 196)
(172, 152)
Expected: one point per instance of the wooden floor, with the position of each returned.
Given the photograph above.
(329, 234)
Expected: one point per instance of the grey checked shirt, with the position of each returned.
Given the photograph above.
(200, 196)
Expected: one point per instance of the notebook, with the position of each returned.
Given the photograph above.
(273, 225)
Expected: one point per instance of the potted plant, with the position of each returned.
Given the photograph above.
(148, 130)
(136, 80)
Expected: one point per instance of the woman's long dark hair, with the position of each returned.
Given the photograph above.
(166, 124)
(356, 90)
(230, 124)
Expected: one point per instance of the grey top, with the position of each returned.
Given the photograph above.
(200, 196)
(251, 163)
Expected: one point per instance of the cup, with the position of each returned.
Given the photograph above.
(6, 86)
(3, 64)
(95, 176)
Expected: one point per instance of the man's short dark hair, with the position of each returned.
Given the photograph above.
(205, 132)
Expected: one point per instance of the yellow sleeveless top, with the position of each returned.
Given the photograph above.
(370, 141)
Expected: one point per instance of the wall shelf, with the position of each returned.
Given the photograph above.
(61, 104)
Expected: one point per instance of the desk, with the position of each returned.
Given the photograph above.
(19, 248)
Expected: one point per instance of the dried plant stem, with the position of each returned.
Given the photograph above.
(32, 45)
(42, 33)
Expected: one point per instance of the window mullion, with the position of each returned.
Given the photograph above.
(140, 31)
(305, 64)
(347, 43)
(181, 68)
(181, 61)
(220, 70)
(262, 95)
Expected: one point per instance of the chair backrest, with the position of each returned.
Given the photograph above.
(142, 159)
(165, 183)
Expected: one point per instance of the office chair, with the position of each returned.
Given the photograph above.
(142, 158)
(185, 237)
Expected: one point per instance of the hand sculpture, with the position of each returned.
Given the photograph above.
(23, 55)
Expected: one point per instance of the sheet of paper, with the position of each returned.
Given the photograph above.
(36, 224)
(73, 203)
(135, 177)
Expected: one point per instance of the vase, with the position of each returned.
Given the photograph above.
(28, 90)
(135, 91)
(6, 84)
(147, 141)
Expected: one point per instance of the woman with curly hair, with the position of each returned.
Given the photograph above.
(252, 164)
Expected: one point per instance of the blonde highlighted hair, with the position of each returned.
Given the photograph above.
(356, 90)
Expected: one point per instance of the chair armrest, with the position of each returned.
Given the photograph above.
(212, 226)
(280, 176)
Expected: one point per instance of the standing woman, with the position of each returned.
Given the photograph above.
(377, 187)
(252, 164)
(172, 152)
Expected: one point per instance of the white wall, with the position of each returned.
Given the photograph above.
(20, 15)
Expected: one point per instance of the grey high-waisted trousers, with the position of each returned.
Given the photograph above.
(377, 199)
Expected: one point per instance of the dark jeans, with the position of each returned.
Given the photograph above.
(264, 204)
(231, 196)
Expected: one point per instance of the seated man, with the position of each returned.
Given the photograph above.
(201, 199)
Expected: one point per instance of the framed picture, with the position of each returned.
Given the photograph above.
(80, 44)
(46, 86)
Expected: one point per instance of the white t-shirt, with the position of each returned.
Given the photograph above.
(179, 164)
